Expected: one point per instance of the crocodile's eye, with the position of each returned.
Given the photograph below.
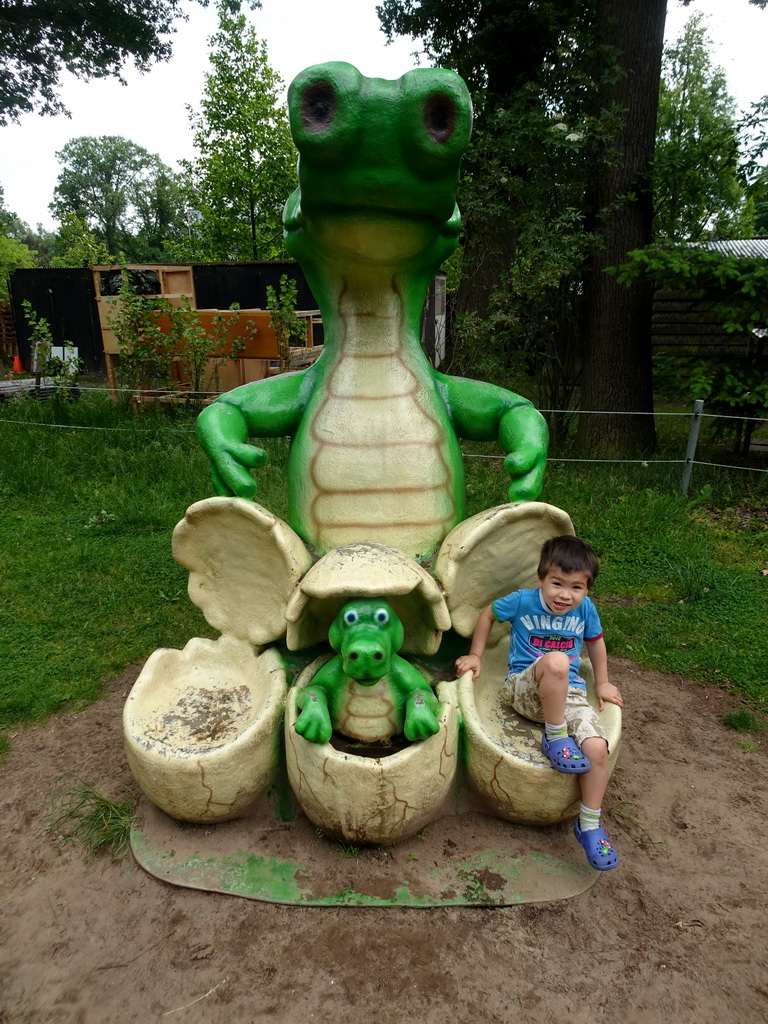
(350, 617)
(440, 116)
(318, 106)
(381, 615)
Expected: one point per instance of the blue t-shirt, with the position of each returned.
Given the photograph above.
(536, 631)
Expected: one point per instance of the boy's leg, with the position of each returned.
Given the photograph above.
(595, 782)
(551, 675)
(587, 828)
(523, 692)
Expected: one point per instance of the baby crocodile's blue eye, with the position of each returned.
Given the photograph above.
(350, 617)
(381, 616)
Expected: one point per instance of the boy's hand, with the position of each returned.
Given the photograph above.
(608, 692)
(467, 662)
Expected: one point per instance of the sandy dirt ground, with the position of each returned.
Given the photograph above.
(678, 933)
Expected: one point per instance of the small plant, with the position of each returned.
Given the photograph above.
(742, 721)
(223, 346)
(692, 578)
(189, 343)
(282, 317)
(145, 355)
(64, 372)
(347, 849)
(83, 816)
(100, 519)
(40, 337)
(162, 343)
(749, 747)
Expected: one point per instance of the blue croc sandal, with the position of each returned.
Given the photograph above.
(565, 755)
(598, 847)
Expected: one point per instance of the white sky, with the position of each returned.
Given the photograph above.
(151, 112)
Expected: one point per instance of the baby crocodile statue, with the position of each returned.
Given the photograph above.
(374, 452)
(367, 691)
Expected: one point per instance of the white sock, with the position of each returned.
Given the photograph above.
(556, 732)
(589, 818)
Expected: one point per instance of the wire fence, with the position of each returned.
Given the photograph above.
(696, 416)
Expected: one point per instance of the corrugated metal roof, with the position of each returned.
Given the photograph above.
(755, 247)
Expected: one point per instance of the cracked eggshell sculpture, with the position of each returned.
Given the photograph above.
(243, 566)
(371, 570)
(505, 766)
(200, 727)
(361, 798)
(373, 799)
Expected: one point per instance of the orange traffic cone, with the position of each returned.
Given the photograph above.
(17, 367)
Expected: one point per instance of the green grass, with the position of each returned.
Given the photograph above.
(87, 581)
(88, 585)
(83, 816)
(743, 721)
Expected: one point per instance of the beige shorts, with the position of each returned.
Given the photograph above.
(581, 718)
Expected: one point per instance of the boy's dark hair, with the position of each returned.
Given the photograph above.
(569, 554)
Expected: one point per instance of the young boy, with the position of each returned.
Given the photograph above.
(549, 624)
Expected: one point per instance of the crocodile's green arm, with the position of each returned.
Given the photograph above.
(485, 412)
(314, 721)
(420, 705)
(266, 408)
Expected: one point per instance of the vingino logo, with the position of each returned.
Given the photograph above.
(552, 643)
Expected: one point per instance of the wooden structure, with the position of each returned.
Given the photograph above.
(685, 324)
(8, 344)
(256, 356)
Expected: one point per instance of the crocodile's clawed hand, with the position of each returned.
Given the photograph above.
(314, 722)
(526, 469)
(231, 474)
(420, 719)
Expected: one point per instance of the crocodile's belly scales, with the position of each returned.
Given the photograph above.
(379, 460)
(368, 713)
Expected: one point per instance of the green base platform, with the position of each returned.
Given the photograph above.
(464, 859)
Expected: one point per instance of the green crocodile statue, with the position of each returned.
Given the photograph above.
(367, 691)
(374, 452)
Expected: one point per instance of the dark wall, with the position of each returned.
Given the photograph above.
(218, 285)
(65, 297)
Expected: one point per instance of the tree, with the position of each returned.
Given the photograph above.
(734, 290)
(124, 193)
(39, 241)
(546, 215)
(564, 139)
(39, 40)
(77, 246)
(14, 255)
(502, 48)
(245, 170)
(698, 177)
(617, 375)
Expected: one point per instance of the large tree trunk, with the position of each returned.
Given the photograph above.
(617, 343)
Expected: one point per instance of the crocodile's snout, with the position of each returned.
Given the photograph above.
(366, 655)
(366, 634)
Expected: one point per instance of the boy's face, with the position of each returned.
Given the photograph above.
(563, 591)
